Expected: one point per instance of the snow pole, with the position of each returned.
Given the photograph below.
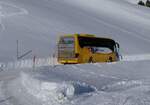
(34, 59)
(1, 67)
(53, 56)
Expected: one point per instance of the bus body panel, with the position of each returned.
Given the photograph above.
(84, 54)
(111, 57)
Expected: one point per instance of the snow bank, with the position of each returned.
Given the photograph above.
(47, 91)
(29, 63)
(62, 92)
(136, 57)
(53, 92)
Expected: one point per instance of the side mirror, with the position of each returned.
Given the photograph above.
(117, 44)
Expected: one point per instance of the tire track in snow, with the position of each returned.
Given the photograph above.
(6, 99)
(122, 85)
(19, 10)
(95, 74)
(5, 13)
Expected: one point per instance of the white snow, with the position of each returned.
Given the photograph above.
(44, 91)
(136, 57)
(49, 92)
(37, 24)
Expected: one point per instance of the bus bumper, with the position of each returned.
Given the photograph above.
(68, 61)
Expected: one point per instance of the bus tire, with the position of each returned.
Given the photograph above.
(90, 60)
(110, 59)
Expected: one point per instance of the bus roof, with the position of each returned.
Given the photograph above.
(88, 35)
(76, 34)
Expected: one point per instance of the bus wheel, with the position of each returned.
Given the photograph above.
(90, 60)
(110, 59)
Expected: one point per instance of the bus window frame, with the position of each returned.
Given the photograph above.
(84, 44)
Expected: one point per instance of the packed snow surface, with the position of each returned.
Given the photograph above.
(37, 24)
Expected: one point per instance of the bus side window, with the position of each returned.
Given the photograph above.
(117, 44)
(92, 50)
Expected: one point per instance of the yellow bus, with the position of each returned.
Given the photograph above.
(86, 48)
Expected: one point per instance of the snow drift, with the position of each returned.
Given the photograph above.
(51, 92)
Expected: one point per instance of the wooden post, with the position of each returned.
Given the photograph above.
(34, 59)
